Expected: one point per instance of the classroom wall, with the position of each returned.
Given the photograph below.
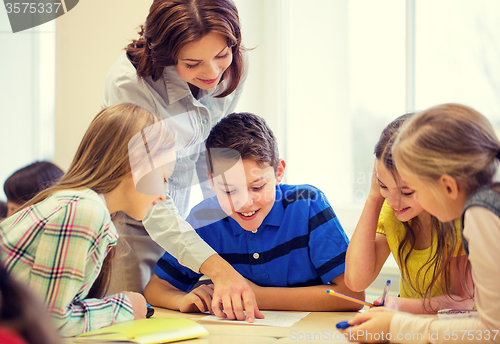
(89, 39)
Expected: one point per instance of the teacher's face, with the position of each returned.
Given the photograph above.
(202, 63)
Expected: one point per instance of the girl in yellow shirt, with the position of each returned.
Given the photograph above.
(434, 268)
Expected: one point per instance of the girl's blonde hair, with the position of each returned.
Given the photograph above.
(450, 139)
(102, 159)
(102, 162)
(437, 266)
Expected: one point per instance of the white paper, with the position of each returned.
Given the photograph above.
(272, 318)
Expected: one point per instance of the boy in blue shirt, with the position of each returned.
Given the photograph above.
(285, 239)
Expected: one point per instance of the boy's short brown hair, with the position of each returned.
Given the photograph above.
(245, 134)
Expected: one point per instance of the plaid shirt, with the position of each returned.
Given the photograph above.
(57, 248)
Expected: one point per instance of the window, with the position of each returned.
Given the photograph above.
(330, 75)
(27, 91)
(457, 54)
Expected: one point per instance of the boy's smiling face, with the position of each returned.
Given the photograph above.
(246, 192)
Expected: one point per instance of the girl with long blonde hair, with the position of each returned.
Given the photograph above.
(62, 241)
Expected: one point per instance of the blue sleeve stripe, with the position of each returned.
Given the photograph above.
(297, 195)
(321, 218)
(267, 256)
(331, 264)
(311, 282)
(173, 272)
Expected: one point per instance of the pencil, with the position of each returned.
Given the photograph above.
(349, 298)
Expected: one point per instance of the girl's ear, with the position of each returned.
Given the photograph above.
(450, 186)
(280, 172)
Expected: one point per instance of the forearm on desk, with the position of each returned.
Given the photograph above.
(160, 293)
(313, 298)
(432, 305)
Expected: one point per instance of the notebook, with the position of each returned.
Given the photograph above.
(145, 331)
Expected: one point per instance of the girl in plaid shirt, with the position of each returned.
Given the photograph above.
(62, 241)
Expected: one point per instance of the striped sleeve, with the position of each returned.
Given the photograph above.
(328, 241)
(170, 270)
(74, 243)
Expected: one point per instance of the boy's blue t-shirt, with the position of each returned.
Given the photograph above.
(300, 242)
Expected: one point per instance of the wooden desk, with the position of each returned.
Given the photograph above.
(317, 327)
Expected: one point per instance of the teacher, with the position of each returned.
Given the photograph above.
(187, 63)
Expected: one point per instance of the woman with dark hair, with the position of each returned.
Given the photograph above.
(188, 60)
(26, 182)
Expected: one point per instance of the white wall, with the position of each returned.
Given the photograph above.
(27, 86)
(88, 41)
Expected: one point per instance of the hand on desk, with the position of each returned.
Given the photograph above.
(197, 300)
(232, 293)
(376, 320)
(138, 303)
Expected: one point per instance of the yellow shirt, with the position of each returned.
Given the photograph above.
(394, 231)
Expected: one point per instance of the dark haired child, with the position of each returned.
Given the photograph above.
(26, 182)
(4, 208)
(277, 236)
(21, 320)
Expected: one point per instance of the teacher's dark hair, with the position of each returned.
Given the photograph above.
(171, 24)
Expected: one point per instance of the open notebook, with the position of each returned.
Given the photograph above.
(144, 331)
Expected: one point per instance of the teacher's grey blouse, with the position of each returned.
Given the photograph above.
(170, 96)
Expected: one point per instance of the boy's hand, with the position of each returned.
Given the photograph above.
(376, 321)
(197, 300)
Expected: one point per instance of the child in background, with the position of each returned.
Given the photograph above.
(277, 236)
(449, 156)
(428, 253)
(4, 209)
(26, 182)
(61, 243)
(22, 319)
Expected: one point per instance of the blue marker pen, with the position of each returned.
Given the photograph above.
(386, 292)
(343, 325)
(150, 311)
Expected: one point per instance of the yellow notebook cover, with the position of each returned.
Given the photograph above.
(147, 331)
